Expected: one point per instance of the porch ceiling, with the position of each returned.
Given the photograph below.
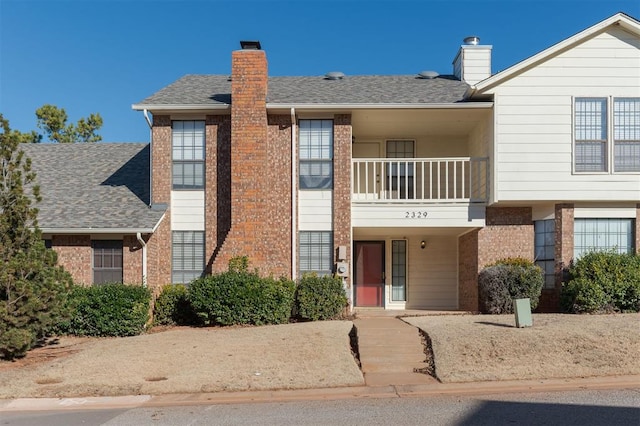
(408, 123)
(407, 232)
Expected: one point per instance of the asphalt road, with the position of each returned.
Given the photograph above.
(583, 408)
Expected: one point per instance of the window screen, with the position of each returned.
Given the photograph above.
(107, 261)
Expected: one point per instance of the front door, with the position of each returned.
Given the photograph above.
(369, 273)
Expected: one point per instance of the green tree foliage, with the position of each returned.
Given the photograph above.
(53, 121)
(32, 288)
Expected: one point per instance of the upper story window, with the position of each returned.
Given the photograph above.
(316, 154)
(188, 154)
(596, 140)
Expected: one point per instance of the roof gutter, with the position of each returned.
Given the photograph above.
(172, 107)
(76, 231)
(461, 105)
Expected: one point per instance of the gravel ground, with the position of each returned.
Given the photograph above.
(188, 360)
(468, 348)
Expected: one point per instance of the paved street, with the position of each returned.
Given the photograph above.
(583, 408)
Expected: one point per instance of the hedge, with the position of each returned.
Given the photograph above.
(319, 298)
(508, 279)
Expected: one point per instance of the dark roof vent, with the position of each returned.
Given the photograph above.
(334, 75)
(250, 45)
(471, 40)
(428, 75)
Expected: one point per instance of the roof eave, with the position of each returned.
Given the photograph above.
(90, 230)
(180, 107)
(460, 105)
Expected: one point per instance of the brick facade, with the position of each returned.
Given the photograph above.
(260, 219)
(508, 233)
(159, 245)
(131, 260)
(74, 254)
(342, 182)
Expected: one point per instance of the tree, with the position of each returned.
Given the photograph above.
(53, 121)
(33, 288)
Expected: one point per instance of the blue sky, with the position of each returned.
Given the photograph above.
(102, 56)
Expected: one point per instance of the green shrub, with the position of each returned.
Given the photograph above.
(172, 307)
(508, 279)
(603, 281)
(108, 310)
(241, 297)
(319, 298)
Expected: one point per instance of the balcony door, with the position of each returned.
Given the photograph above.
(400, 174)
(369, 273)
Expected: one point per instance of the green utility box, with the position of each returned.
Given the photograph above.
(522, 308)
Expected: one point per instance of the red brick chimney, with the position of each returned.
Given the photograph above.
(249, 157)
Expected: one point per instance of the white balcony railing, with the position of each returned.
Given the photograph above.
(431, 180)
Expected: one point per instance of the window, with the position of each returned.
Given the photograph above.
(626, 134)
(47, 243)
(316, 252)
(592, 134)
(545, 246)
(398, 270)
(187, 256)
(188, 154)
(603, 234)
(107, 261)
(316, 154)
(400, 174)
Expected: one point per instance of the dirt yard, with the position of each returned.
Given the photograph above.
(291, 356)
(469, 348)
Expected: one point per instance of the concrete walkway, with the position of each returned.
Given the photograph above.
(390, 351)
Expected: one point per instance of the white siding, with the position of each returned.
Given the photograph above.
(314, 210)
(406, 216)
(187, 210)
(433, 273)
(534, 122)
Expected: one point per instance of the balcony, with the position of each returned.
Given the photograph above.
(420, 180)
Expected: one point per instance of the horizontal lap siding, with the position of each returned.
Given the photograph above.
(187, 209)
(433, 273)
(315, 210)
(534, 123)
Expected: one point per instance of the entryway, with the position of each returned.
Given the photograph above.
(369, 273)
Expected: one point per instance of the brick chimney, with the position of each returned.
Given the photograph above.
(472, 64)
(249, 156)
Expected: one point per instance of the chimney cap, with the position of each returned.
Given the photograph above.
(471, 40)
(250, 45)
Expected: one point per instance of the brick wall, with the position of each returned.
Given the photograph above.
(468, 271)
(131, 260)
(159, 245)
(260, 210)
(74, 254)
(342, 133)
(508, 233)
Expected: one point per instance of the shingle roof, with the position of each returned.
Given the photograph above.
(93, 185)
(211, 90)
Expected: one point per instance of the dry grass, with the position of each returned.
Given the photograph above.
(471, 348)
(189, 360)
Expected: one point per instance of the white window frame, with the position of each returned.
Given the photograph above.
(318, 157)
(188, 152)
(180, 252)
(601, 238)
(611, 138)
(323, 249)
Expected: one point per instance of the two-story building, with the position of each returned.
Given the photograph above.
(407, 185)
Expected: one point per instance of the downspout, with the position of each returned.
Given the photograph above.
(146, 117)
(294, 201)
(144, 258)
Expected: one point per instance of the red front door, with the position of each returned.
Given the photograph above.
(369, 273)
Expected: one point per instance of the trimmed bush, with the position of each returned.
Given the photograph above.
(603, 281)
(108, 310)
(509, 279)
(241, 297)
(319, 298)
(172, 307)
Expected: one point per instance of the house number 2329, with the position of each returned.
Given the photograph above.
(415, 215)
